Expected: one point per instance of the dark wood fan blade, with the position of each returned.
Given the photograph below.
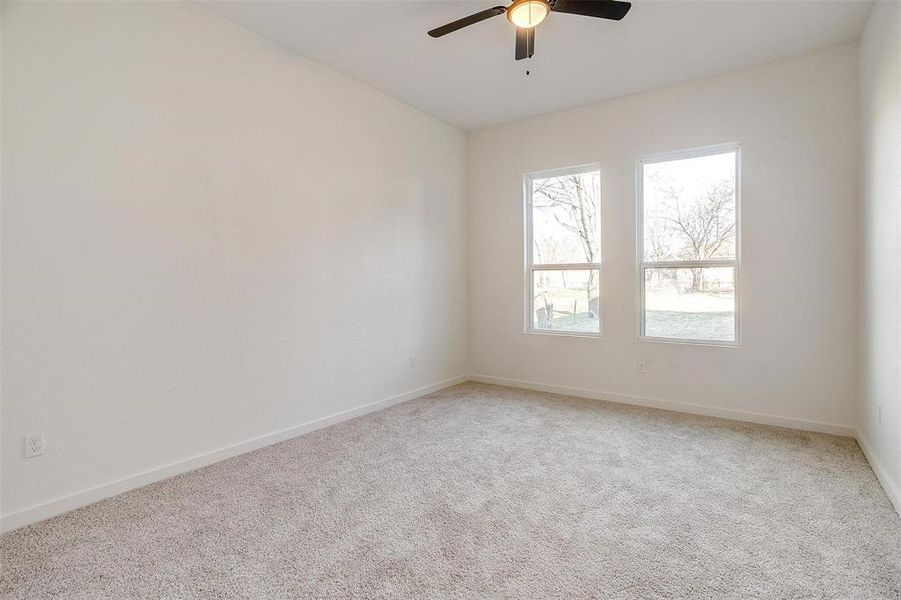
(467, 21)
(602, 9)
(525, 42)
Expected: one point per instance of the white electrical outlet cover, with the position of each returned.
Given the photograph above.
(34, 445)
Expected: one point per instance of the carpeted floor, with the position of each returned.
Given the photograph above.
(488, 492)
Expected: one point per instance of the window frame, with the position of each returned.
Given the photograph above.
(642, 265)
(530, 267)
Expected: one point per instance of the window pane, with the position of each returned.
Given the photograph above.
(566, 300)
(689, 208)
(690, 303)
(566, 219)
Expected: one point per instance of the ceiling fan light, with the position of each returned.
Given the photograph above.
(528, 13)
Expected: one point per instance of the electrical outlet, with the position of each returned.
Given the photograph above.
(640, 367)
(34, 445)
(412, 361)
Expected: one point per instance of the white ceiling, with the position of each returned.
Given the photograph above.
(469, 78)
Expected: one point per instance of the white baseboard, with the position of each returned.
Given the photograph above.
(59, 506)
(695, 409)
(892, 489)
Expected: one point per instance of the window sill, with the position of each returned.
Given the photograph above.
(704, 343)
(572, 334)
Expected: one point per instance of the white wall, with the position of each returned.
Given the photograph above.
(205, 239)
(798, 128)
(880, 84)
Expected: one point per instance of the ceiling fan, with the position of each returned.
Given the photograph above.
(526, 14)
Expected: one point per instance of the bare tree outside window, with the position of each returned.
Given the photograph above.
(572, 202)
(689, 247)
(565, 251)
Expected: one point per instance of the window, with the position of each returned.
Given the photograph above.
(563, 251)
(688, 207)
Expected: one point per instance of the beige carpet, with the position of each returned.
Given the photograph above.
(488, 492)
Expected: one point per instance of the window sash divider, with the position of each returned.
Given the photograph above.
(690, 264)
(567, 267)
